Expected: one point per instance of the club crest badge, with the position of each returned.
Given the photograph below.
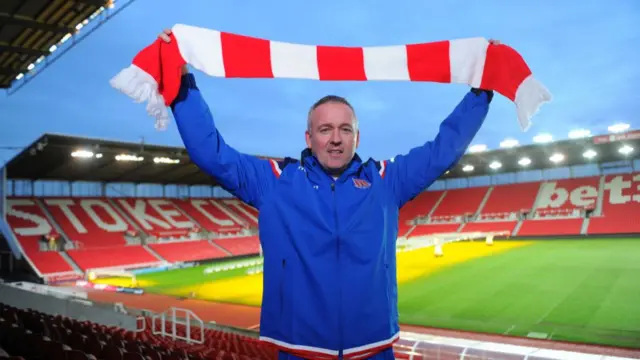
(361, 184)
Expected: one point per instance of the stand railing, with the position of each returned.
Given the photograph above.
(174, 319)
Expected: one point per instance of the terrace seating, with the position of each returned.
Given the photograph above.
(620, 206)
(420, 206)
(460, 202)
(122, 256)
(544, 227)
(430, 229)
(157, 217)
(29, 225)
(33, 335)
(248, 214)
(568, 194)
(489, 226)
(557, 207)
(511, 198)
(93, 222)
(212, 215)
(238, 246)
(181, 251)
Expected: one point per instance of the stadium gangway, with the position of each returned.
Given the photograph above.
(176, 320)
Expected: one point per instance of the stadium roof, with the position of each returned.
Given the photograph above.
(598, 149)
(29, 30)
(68, 158)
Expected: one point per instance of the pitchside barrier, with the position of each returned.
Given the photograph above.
(410, 345)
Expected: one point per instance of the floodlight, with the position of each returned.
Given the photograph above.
(509, 143)
(542, 138)
(495, 165)
(98, 156)
(82, 154)
(467, 168)
(524, 161)
(126, 157)
(579, 133)
(477, 148)
(618, 128)
(625, 150)
(556, 158)
(589, 154)
(165, 160)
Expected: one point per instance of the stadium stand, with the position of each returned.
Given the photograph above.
(620, 206)
(97, 232)
(212, 215)
(88, 222)
(34, 335)
(561, 207)
(100, 233)
(460, 203)
(69, 237)
(184, 251)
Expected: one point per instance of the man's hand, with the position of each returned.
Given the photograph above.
(164, 35)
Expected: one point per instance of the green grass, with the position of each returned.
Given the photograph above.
(575, 290)
(170, 282)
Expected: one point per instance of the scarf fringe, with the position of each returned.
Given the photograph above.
(142, 88)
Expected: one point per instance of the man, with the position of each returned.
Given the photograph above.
(328, 221)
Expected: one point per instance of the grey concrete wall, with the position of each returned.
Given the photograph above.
(75, 308)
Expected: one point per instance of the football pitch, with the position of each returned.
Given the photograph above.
(574, 290)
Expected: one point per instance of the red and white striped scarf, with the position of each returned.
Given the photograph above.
(155, 74)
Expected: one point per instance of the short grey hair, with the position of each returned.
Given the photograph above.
(331, 99)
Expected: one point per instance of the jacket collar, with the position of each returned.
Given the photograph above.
(311, 163)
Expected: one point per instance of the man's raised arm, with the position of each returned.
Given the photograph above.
(412, 173)
(247, 177)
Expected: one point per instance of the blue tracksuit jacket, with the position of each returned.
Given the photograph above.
(329, 245)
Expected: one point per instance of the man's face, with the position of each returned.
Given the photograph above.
(332, 136)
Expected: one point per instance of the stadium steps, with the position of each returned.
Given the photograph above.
(154, 253)
(229, 212)
(53, 222)
(236, 206)
(220, 248)
(71, 263)
(600, 199)
(433, 209)
(516, 229)
(126, 216)
(536, 202)
(483, 202)
(186, 214)
(585, 226)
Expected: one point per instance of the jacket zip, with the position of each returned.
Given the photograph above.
(335, 214)
(282, 280)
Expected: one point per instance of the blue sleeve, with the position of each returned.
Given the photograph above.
(246, 177)
(409, 174)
